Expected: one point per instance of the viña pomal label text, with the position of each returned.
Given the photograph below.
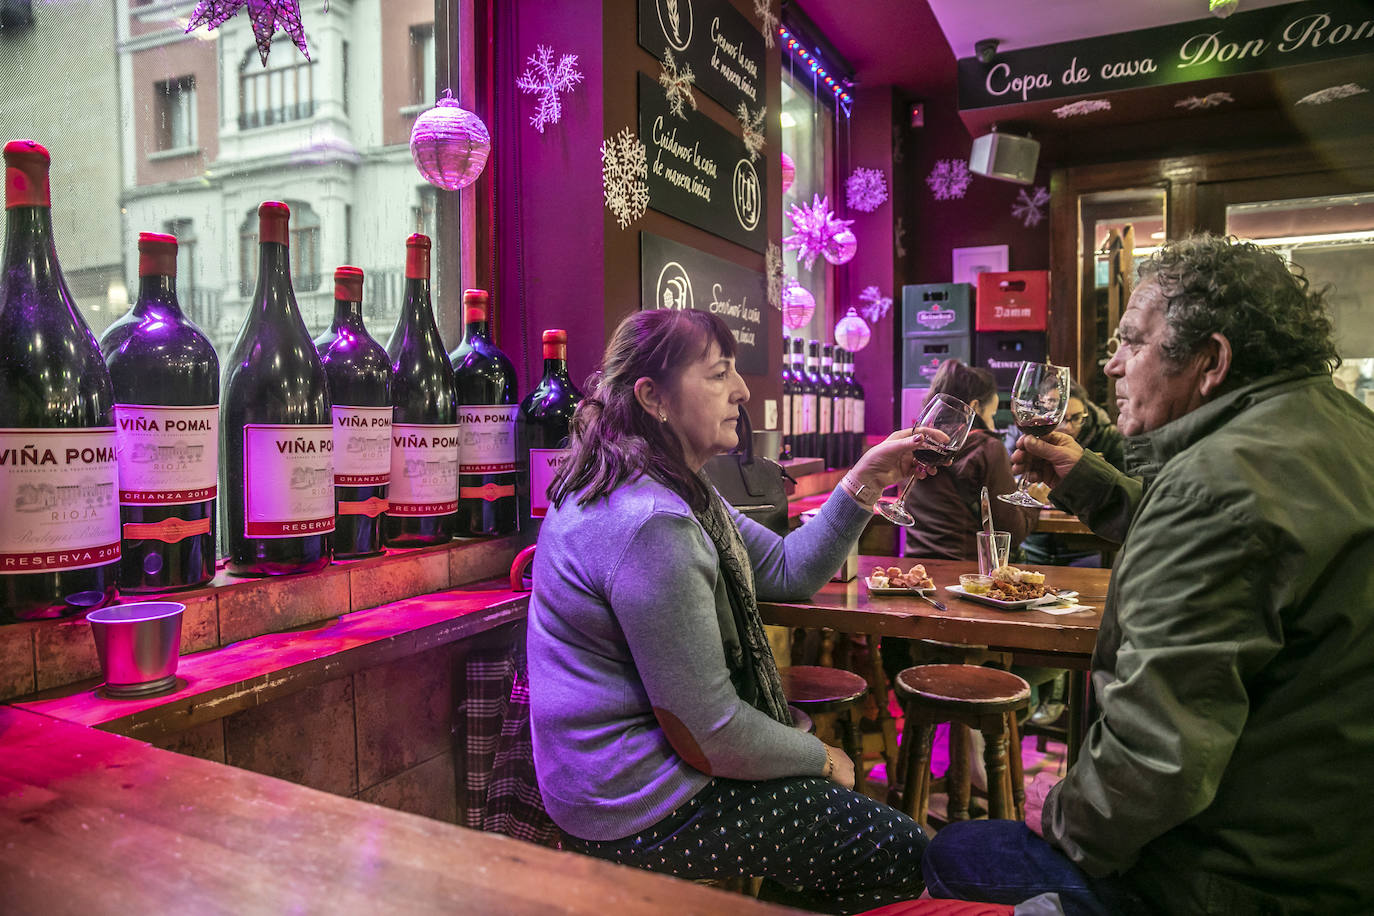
(168, 456)
(544, 465)
(289, 480)
(486, 443)
(59, 508)
(362, 446)
(424, 469)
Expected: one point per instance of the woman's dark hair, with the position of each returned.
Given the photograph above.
(967, 383)
(613, 437)
(1270, 314)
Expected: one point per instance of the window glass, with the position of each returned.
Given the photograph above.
(808, 137)
(152, 129)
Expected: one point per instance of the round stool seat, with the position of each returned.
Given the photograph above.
(962, 687)
(817, 689)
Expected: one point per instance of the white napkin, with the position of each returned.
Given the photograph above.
(1064, 609)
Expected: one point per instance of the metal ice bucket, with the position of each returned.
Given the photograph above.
(138, 645)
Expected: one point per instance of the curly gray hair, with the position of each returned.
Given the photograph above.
(1272, 317)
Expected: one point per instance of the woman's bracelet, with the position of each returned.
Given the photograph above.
(862, 493)
(829, 765)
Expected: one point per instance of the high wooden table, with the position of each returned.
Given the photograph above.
(1033, 637)
(1076, 534)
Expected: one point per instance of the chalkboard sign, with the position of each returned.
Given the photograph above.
(701, 173)
(1249, 41)
(723, 48)
(677, 276)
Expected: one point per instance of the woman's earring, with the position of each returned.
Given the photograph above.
(662, 417)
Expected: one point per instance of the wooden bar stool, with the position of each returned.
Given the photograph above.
(814, 689)
(971, 695)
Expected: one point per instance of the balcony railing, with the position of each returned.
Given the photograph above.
(266, 117)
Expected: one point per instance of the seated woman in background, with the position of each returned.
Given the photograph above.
(662, 738)
(946, 507)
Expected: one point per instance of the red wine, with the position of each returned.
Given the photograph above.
(359, 373)
(424, 431)
(277, 433)
(166, 387)
(1038, 427)
(544, 425)
(487, 466)
(59, 515)
(933, 457)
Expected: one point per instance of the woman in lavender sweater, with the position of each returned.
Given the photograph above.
(661, 735)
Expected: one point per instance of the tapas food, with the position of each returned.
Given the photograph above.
(893, 577)
(1012, 584)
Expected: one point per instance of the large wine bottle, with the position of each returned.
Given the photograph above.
(829, 401)
(277, 433)
(844, 410)
(788, 392)
(857, 392)
(424, 431)
(487, 466)
(59, 516)
(544, 424)
(166, 388)
(813, 398)
(359, 374)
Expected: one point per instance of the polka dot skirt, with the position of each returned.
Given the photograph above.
(837, 850)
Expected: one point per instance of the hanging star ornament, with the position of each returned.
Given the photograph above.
(1030, 206)
(817, 231)
(267, 16)
(548, 80)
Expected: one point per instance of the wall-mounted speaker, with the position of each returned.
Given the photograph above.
(1005, 157)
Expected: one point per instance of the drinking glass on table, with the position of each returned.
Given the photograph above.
(943, 413)
(1038, 401)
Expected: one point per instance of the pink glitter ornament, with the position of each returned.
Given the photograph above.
(789, 172)
(852, 333)
(449, 145)
(798, 305)
(841, 247)
(816, 230)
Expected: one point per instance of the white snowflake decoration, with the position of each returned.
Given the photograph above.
(949, 179)
(1082, 107)
(752, 127)
(816, 227)
(1332, 93)
(677, 85)
(1210, 100)
(769, 22)
(624, 168)
(867, 189)
(1030, 208)
(772, 269)
(898, 234)
(877, 304)
(549, 81)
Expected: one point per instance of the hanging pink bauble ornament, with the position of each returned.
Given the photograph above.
(841, 247)
(789, 172)
(449, 145)
(852, 333)
(798, 305)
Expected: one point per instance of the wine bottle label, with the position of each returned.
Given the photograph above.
(372, 507)
(58, 503)
(168, 456)
(168, 531)
(858, 416)
(808, 414)
(486, 439)
(544, 465)
(288, 474)
(362, 446)
(424, 470)
(786, 416)
(826, 405)
(798, 419)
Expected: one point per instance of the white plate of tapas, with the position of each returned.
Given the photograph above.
(1047, 598)
(894, 581)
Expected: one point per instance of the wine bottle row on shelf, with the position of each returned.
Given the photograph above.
(110, 453)
(822, 403)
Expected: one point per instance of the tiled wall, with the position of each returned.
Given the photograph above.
(48, 654)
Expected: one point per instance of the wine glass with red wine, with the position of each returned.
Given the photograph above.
(950, 416)
(1038, 401)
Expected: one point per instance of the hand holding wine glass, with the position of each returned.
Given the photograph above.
(949, 420)
(1038, 401)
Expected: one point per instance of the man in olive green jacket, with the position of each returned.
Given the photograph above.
(1228, 767)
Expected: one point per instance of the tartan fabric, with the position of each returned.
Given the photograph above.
(501, 793)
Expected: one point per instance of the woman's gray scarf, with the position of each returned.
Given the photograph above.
(747, 653)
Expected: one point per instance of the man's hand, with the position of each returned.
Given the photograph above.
(1036, 793)
(841, 767)
(1046, 460)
